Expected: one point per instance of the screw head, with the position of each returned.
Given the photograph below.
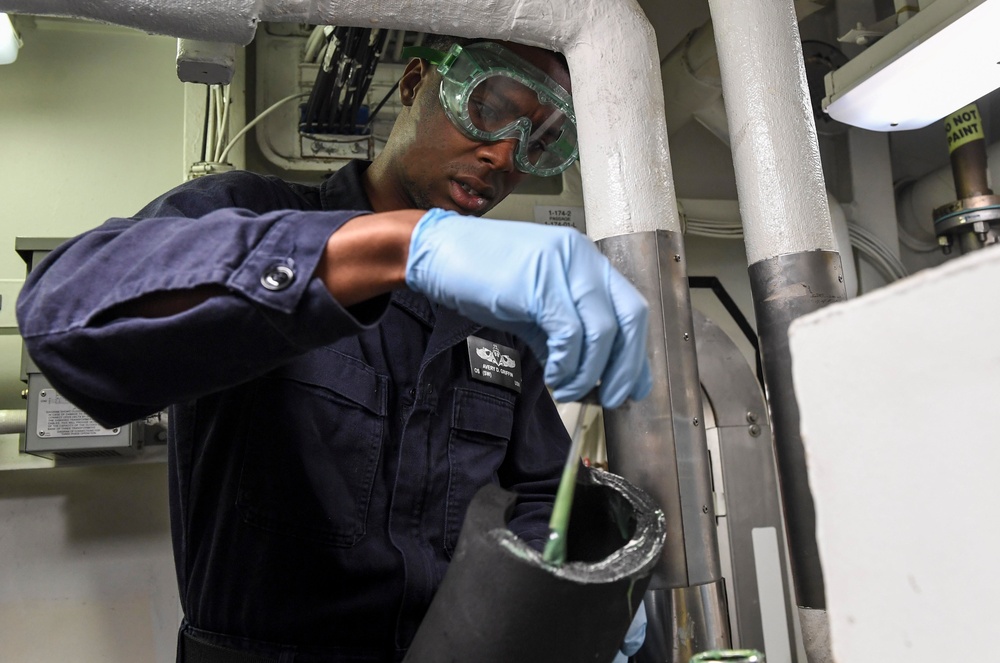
(687, 336)
(677, 257)
(696, 422)
(754, 430)
(752, 416)
(704, 508)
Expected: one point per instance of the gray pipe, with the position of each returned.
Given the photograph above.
(794, 267)
(784, 288)
(659, 445)
(12, 422)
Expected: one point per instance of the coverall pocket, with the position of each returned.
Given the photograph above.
(312, 450)
(480, 430)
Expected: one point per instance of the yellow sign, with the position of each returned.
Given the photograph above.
(963, 126)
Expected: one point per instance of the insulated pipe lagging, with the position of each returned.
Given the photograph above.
(627, 177)
(779, 176)
(231, 21)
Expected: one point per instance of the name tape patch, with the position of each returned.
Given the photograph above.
(495, 363)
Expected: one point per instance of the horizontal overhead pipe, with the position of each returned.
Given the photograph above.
(627, 178)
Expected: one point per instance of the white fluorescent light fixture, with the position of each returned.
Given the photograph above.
(945, 57)
(9, 41)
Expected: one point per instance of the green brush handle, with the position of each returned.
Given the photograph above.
(555, 547)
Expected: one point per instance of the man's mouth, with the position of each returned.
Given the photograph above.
(469, 198)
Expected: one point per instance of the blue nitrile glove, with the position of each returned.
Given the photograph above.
(546, 284)
(635, 637)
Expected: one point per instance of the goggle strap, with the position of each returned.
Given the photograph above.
(432, 55)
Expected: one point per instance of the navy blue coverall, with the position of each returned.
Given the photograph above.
(321, 458)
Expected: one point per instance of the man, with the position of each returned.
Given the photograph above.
(328, 428)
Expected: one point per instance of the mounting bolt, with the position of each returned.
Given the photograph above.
(41, 433)
(752, 416)
(754, 430)
(980, 228)
(42, 393)
(24, 394)
(677, 257)
(696, 422)
(704, 508)
(687, 336)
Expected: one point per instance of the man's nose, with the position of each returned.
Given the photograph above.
(499, 154)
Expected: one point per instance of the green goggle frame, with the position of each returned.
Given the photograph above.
(474, 80)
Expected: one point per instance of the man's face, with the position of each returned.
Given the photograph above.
(436, 165)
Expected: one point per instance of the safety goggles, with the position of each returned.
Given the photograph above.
(491, 94)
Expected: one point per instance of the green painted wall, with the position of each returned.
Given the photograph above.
(91, 126)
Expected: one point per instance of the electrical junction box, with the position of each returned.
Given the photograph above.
(58, 430)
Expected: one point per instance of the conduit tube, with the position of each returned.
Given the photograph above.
(628, 192)
(793, 265)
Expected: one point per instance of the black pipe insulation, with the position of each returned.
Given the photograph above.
(501, 602)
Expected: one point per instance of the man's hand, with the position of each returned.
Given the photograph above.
(550, 286)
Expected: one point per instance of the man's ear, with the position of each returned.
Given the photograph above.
(414, 74)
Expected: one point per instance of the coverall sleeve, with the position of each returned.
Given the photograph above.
(227, 231)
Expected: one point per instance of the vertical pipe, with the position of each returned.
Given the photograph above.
(659, 444)
(968, 220)
(794, 267)
(967, 148)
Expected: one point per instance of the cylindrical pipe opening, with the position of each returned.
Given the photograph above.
(501, 602)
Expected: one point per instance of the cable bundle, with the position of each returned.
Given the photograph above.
(863, 241)
(347, 63)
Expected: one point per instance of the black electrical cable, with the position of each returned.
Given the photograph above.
(374, 54)
(371, 117)
(347, 118)
(331, 99)
(320, 86)
(347, 79)
(347, 67)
